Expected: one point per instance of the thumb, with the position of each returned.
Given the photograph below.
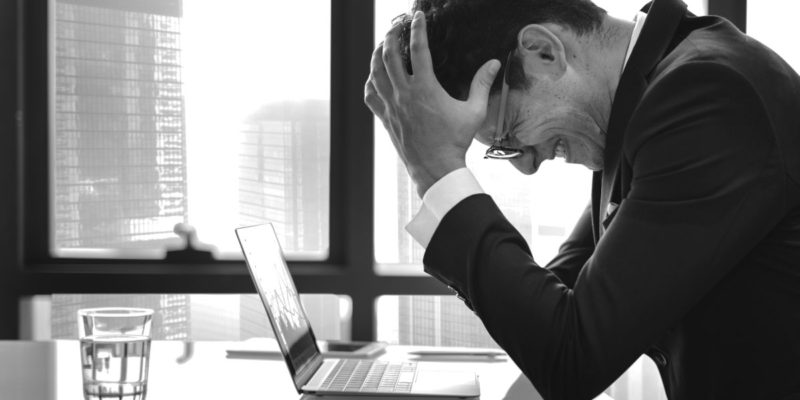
(482, 83)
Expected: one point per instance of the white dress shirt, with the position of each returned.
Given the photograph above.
(461, 183)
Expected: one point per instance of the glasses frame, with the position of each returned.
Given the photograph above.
(499, 149)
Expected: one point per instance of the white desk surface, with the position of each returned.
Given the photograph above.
(202, 370)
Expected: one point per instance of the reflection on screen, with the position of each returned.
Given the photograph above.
(278, 292)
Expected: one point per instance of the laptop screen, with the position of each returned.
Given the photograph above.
(271, 277)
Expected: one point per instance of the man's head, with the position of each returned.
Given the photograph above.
(553, 90)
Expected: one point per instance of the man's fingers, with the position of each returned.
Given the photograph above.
(482, 84)
(378, 107)
(421, 63)
(372, 99)
(379, 76)
(392, 60)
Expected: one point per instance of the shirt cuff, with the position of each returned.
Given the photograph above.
(439, 200)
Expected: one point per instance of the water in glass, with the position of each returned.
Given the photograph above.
(115, 366)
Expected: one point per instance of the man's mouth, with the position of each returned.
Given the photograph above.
(560, 149)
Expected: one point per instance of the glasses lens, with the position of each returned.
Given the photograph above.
(502, 153)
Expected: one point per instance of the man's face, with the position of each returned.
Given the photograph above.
(552, 118)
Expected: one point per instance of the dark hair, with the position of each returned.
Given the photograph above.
(464, 34)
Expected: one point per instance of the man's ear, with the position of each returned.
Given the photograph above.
(542, 52)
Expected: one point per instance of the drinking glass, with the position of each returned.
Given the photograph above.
(115, 352)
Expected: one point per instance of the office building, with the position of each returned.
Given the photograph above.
(440, 321)
(284, 172)
(408, 203)
(119, 157)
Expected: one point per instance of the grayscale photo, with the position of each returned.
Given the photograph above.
(400, 199)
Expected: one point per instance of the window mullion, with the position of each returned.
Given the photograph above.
(10, 68)
(352, 156)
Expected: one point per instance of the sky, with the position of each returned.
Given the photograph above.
(236, 58)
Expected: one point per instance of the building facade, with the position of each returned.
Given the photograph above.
(440, 321)
(284, 173)
(119, 143)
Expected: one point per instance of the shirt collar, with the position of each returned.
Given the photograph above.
(638, 22)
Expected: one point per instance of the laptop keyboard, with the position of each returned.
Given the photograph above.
(370, 376)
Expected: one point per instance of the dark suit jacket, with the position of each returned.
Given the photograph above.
(690, 251)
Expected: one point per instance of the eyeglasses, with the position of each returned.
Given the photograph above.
(498, 150)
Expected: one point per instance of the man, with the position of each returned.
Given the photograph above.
(690, 250)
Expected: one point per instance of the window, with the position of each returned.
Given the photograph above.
(169, 112)
(160, 59)
(626, 9)
(429, 321)
(764, 16)
(191, 317)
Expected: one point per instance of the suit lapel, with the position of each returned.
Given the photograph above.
(662, 21)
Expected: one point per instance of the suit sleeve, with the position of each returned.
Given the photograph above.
(706, 188)
(574, 252)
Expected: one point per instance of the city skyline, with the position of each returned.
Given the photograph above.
(121, 161)
(119, 171)
(283, 173)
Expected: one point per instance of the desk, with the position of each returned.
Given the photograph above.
(201, 370)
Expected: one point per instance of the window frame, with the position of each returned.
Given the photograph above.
(350, 258)
(28, 268)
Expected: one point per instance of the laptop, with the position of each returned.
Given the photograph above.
(315, 375)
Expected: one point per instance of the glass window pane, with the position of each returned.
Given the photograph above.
(626, 9)
(204, 113)
(771, 22)
(429, 321)
(396, 199)
(205, 316)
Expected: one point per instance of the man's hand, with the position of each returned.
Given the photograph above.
(430, 130)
